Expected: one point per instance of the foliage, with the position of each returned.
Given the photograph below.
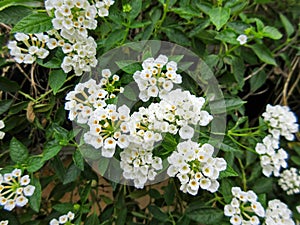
(42, 142)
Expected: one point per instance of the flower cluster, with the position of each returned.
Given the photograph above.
(2, 125)
(278, 213)
(244, 208)
(91, 95)
(64, 219)
(112, 127)
(281, 121)
(35, 47)
(14, 189)
(195, 167)
(71, 22)
(139, 164)
(4, 222)
(157, 77)
(290, 181)
(272, 159)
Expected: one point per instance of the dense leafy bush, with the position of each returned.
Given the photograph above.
(142, 112)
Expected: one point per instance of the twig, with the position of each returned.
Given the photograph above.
(286, 84)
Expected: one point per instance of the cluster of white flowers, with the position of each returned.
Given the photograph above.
(64, 219)
(71, 22)
(139, 165)
(272, 159)
(281, 120)
(157, 77)
(90, 95)
(244, 208)
(35, 47)
(111, 126)
(2, 125)
(195, 167)
(105, 126)
(278, 212)
(14, 189)
(4, 222)
(290, 181)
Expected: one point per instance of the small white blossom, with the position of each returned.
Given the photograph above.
(63, 219)
(242, 39)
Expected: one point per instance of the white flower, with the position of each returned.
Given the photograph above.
(25, 180)
(279, 212)
(242, 204)
(281, 120)
(29, 190)
(186, 166)
(236, 220)
(290, 181)
(4, 222)
(242, 39)
(54, 222)
(17, 186)
(186, 132)
(21, 201)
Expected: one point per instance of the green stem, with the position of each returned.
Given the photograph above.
(244, 180)
(240, 144)
(160, 22)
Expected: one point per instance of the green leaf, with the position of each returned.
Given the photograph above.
(229, 172)
(258, 80)
(72, 173)
(158, 213)
(8, 85)
(121, 216)
(129, 66)
(63, 207)
(230, 104)
(53, 63)
(296, 160)
(4, 105)
(114, 37)
(18, 152)
(177, 36)
(219, 16)
(228, 36)
(14, 14)
(34, 164)
(263, 53)
(271, 32)
(57, 79)
(51, 150)
(169, 194)
(92, 220)
(34, 23)
(205, 215)
(103, 165)
(225, 189)
(78, 160)
(36, 199)
(289, 28)
(238, 70)
(136, 8)
(7, 3)
(263, 185)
